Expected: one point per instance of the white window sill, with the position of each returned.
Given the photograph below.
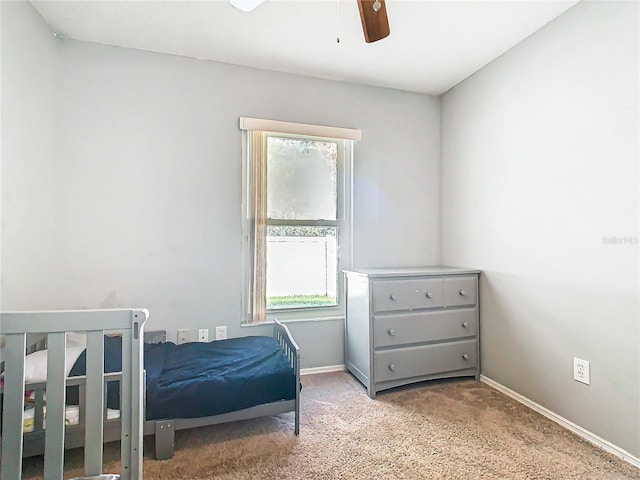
(296, 320)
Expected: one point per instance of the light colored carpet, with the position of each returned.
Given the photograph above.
(455, 429)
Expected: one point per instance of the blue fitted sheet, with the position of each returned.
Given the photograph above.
(202, 379)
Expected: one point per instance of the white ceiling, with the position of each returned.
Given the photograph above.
(433, 44)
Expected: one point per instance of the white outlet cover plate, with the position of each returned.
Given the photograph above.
(221, 333)
(203, 335)
(183, 336)
(581, 371)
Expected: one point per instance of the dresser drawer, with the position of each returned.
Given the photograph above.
(389, 295)
(426, 293)
(424, 360)
(424, 327)
(460, 291)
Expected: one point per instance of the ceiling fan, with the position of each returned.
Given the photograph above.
(373, 15)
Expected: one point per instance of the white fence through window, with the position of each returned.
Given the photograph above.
(301, 266)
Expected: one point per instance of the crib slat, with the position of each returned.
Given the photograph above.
(13, 407)
(125, 413)
(54, 433)
(38, 415)
(82, 395)
(94, 404)
(137, 393)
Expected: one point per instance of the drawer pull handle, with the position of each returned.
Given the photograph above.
(393, 296)
(465, 356)
(392, 332)
(429, 295)
(462, 293)
(465, 324)
(392, 367)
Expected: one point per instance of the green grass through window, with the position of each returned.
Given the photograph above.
(300, 301)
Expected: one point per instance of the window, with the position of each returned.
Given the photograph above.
(297, 225)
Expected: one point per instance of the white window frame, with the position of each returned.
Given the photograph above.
(344, 222)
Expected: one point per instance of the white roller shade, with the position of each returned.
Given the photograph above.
(262, 125)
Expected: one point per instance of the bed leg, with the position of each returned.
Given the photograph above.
(296, 429)
(165, 432)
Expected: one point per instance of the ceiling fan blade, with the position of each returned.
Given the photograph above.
(374, 20)
(246, 5)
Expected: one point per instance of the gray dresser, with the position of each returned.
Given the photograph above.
(406, 325)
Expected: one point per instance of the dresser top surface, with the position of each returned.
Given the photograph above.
(411, 271)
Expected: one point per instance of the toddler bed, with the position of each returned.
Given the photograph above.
(188, 385)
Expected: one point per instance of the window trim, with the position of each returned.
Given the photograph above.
(296, 129)
(345, 232)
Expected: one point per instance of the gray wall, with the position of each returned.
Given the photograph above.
(29, 62)
(540, 162)
(147, 175)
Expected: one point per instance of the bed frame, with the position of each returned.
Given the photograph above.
(53, 441)
(163, 430)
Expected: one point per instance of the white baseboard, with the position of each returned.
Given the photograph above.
(578, 430)
(327, 369)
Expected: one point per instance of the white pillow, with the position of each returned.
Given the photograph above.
(35, 366)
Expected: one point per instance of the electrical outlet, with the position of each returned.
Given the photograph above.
(183, 336)
(221, 333)
(581, 371)
(203, 335)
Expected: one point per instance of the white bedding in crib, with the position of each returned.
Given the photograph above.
(35, 365)
(72, 417)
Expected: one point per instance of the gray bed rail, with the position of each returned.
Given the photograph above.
(15, 326)
(282, 334)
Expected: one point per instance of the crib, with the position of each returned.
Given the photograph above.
(16, 327)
